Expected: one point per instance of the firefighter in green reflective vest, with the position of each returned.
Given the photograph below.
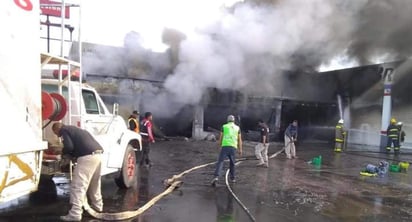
(393, 137)
(340, 134)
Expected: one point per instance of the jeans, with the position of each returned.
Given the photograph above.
(228, 152)
(145, 153)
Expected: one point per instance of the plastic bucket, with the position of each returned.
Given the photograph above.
(317, 160)
(403, 166)
(394, 168)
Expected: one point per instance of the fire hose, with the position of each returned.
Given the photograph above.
(172, 183)
(252, 218)
(54, 107)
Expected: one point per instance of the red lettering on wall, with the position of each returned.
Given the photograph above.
(24, 4)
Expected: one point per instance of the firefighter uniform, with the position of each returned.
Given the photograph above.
(393, 136)
(340, 134)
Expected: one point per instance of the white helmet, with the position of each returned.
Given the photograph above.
(399, 124)
(340, 121)
(231, 118)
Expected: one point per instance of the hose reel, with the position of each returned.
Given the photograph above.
(54, 106)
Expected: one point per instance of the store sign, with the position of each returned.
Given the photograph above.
(52, 8)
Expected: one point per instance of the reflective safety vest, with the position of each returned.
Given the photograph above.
(230, 135)
(393, 131)
(137, 128)
(340, 133)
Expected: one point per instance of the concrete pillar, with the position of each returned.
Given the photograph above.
(347, 113)
(197, 128)
(387, 72)
(278, 114)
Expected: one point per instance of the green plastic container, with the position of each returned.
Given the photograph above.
(317, 160)
(394, 168)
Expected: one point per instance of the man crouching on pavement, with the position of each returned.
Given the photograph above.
(230, 140)
(81, 145)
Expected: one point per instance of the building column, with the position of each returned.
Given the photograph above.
(197, 127)
(278, 116)
(387, 72)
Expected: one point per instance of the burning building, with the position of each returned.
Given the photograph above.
(260, 60)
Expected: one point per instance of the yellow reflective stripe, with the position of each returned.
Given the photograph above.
(338, 140)
(24, 167)
(394, 130)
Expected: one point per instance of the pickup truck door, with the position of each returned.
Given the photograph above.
(96, 119)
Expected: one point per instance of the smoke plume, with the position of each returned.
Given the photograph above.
(252, 44)
(258, 47)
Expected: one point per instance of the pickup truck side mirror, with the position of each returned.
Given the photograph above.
(115, 109)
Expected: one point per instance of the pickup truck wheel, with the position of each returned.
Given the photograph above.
(127, 176)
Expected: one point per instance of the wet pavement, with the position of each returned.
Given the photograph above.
(289, 190)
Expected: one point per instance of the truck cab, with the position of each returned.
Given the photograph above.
(86, 109)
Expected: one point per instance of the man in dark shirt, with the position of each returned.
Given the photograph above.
(81, 145)
(291, 136)
(261, 149)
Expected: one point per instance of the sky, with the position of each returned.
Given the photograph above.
(108, 21)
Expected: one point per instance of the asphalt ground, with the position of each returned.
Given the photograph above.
(289, 190)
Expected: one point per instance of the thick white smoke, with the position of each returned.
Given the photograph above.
(258, 46)
(250, 47)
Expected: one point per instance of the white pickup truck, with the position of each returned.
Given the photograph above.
(87, 110)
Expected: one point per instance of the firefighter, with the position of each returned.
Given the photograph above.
(340, 133)
(393, 137)
(134, 122)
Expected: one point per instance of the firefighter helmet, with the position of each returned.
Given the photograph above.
(393, 121)
(340, 121)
